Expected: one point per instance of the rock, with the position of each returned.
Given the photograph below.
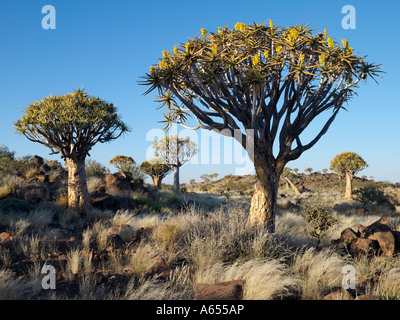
(382, 232)
(126, 203)
(388, 206)
(348, 235)
(230, 290)
(366, 297)
(118, 183)
(5, 237)
(394, 274)
(45, 167)
(36, 161)
(288, 205)
(361, 211)
(125, 231)
(103, 201)
(340, 294)
(363, 245)
(35, 193)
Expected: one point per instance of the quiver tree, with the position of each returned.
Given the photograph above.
(127, 164)
(285, 176)
(156, 169)
(348, 164)
(262, 85)
(70, 125)
(175, 151)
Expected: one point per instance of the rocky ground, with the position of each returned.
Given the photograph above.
(139, 243)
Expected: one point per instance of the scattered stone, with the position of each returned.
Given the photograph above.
(382, 232)
(363, 245)
(348, 235)
(366, 297)
(230, 290)
(340, 294)
(35, 193)
(5, 237)
(125, 231)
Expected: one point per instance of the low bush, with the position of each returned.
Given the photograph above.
(370, 194)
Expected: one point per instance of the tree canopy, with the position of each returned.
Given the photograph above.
(71, 124)
(348, 163)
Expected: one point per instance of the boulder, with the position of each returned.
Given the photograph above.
(126, 203)
(366, 297)
(103, 201)
(388, 206)
(5, 237)
(381, 232)
(125, 231)
(230, 290)
(363, 245)
(36, 161)
(348, 235)
(118, 183)
(35, 193)
(340, 294)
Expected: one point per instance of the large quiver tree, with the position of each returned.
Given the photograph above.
(71, 125)
(263, 86)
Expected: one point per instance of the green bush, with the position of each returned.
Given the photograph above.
(15, 205)
(370, 194)
(319, 218)
(205, 187)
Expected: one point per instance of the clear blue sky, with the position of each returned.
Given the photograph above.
(105, 46)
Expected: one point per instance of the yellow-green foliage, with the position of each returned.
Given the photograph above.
(348, 163)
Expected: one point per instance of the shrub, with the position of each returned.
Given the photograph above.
(15, 205)
(205, 187)
(319, 218)
(370, 194)
(96, 169)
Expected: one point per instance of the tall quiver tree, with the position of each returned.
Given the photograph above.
(175, 152)
(262, 85)
(70, 125)
(348, 164)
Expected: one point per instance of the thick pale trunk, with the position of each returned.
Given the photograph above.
(78, 194)
(263, 203)
(156, 182)
(176, 179)
(349, 186)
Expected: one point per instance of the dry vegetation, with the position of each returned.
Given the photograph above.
(167, 245)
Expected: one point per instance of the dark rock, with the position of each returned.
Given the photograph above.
(382, 232)
(230, 290)
(35, 193)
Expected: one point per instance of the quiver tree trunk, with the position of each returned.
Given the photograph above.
(263, 203)
(349, 186)
(176, 179)
(78, 194)
(157, 182)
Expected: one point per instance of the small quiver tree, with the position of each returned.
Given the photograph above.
(348, 164)
(175, 151)
(70, 125)
(156, 169)
(262, 85)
